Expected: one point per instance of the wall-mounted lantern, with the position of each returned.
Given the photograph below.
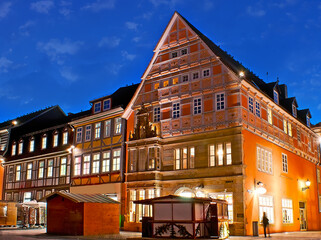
(307, 185)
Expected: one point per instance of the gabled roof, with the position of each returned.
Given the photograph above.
(24, 118)
(287, 103)
(82, 198)
(121, 97)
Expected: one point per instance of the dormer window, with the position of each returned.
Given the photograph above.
(106, 104)
(32, 145)
(308, 121)
(44, 142)
(294, 112)
(65, 137)
(276, 97)
(97, 107)
(13, 149)
(55, 139)
(20, 147)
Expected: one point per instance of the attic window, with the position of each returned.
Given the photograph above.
(276, 97)
(308, 121)
(106, 104)
(294, 112)
(97, 107)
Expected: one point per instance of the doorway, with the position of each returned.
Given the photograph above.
(303, 219)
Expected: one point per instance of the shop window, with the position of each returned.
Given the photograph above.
(266, 205)
(287, 211)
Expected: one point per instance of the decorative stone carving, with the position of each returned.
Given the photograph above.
(143, 127)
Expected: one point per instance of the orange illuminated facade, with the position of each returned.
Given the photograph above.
(201, 124)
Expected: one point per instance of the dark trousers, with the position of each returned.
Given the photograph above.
(268, 229)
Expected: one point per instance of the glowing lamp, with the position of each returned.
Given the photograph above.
(307, 184)
(241, 74)
(14, 122)
(260, 189)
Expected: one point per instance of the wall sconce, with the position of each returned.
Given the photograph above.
(260, 189)
(307, 184)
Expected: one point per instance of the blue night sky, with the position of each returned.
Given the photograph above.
(70, 52)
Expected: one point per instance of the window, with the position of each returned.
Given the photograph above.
(195, 75)
(156, 114)
(79, 135)
(32, 145)
(13, 149)
(270, 116)
(44, 142)
(308, 121)
(107, 128)
(29, 171)
(39, 195)
(257, 109)
(96, 161)
(10, 175)
(284, 163)
(63, 166)
(264, 160)
(276, 97)
(184, 51)
(206, 73)
(132, 205)
(185, 78)
(266, 205)
(27, 197)
(18, 172)
(65, 138)
(251, 107)
(165, 83)
(41, 169)
(116, 160)
(220, 154)
(319, 203)
(174, 54)
(287, 211)
(177, 159)
(220, 101)
(197, 106)
(229, 198)
(175, 80)
(77, 166)
(50, 168)
(184, 158)
(97, 130)
(132, 160)
(86, 165)
(153, 157)
(97, 107)
(118, 126)
(156, 86)
(294, 111)
(285, 126)
(55, 140)
(290, 129)
(88, 133)
(106, 162)
(318, 176)
(176, 110)
(20, 147)
(192, 157)
(106, 104)
(228, 150)
(212, 155)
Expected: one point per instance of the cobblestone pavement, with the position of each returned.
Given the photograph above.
(34, 234)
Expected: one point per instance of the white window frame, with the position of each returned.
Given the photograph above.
(77, 166)
(106, 162)
(185, 78)
(228, 153)
(29, 171)
(156, 114)
(266, 205)
(108, 105)
(251, 104)
(289, 129)
(294, 110)
(285, 163)
(285, 126)
(20, 147)
(197, 106)
(32, 145)
(44, 142)
(50, 168)
(206, 72)
(116, 159)
(174, 54)
(41, 169)
(118, 126)
(220, 101)
(63, 166)
(13, 149)
(79, 135)
(176, 113)
(270, 116)
(86, 165)
(211, 155)
(65, 138)
(96, 163)
(264, 159)
(182, 51)
(276, 96)
(55, 139)
(177, 157)
(107, 128)
(191, 157)
(96, 110)
(257, 109)
(97, 130)
(87, 133)
(18, 173)
(287, 211)
(195, 75)
(308, 121)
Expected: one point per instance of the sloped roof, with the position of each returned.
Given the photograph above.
(237, 67)
(82, 198)
(24, 118)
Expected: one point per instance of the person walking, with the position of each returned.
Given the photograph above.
(265, 221)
